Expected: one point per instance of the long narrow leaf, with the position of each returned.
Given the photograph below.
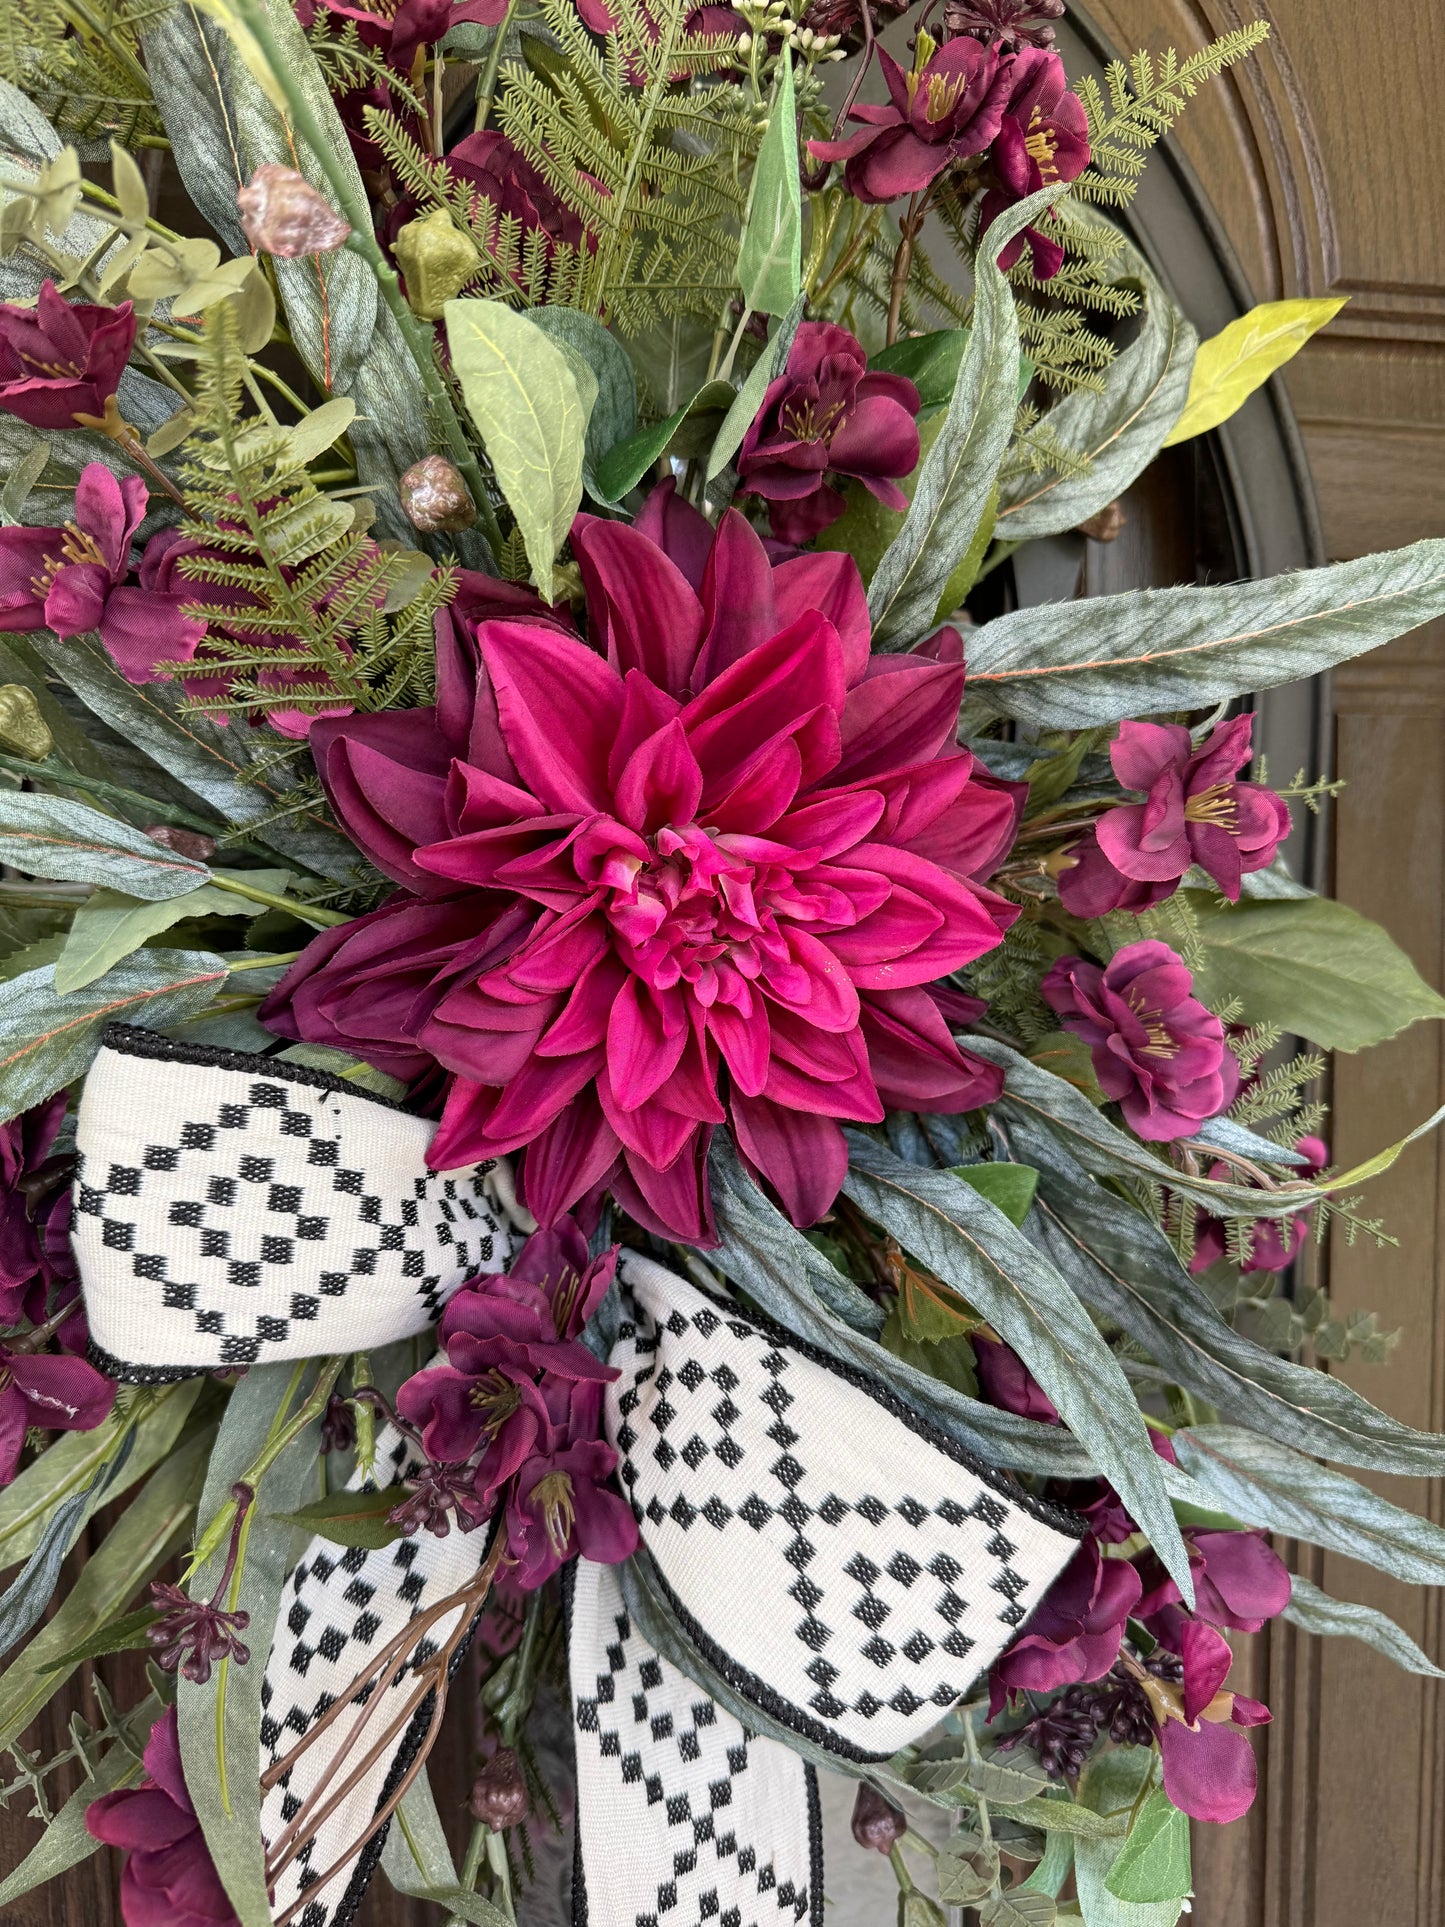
(50, 837)
(1316, 1612)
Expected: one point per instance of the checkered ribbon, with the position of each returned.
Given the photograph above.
(232, 1209)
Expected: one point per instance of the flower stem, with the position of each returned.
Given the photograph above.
(418, 335)
(308, 912)
(910, 226)
(487, 85)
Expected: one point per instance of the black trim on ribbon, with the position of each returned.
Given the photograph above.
(129, 1040)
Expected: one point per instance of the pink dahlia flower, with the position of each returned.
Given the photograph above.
(697, 870)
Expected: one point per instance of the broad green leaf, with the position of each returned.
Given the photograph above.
(324, 1057)
(124, 1635)
(749, 398)
(626, 462)
(522, 395)
(111, 925)
(1266, 1484)
(220, 1753)
(1055, 1867)
(50, 837)
(1112, 1784)
(1071, 665)
(1019, 1907)
(417, 1860)
(248, 47)
(47, 1040)
(613, 415)
(991, 1780)
(1243, 356)
(972, 1246)
(65, 1842)
(1010, 1186)
(316, 432)
(929, 361)
(770, 257)
(129, 185)
(1153, 1863)
(1316, 1612)
(1125, 1269)
(1315, 967)
(956, 479)
(791, 1281)
(152, 1527)
(961, 1883)
(348, 1518)
(1119, 431)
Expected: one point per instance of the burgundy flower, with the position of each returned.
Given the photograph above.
(561, 1506)
(55, 1394)
(169, 1880)
(1006, 24)
(1274, 1243)
(826, 415)
(61, 359)
(949, 108)
(1156, 1050)
(37, 1266)
(1193, 812)
(1209, 1766)
(1240, 1581)
(72, 579)
(1043, 138)
(1005, 1381)
(500, 173)
(1075, 1632)
(401, 32)
(700, 871)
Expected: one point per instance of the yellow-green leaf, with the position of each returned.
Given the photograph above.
(521, 393)
(770, 257)
(1242, 357)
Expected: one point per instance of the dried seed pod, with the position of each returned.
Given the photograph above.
(437, 259)
(283, 214)
(189, 843)
(877, 1823)
(499, 1793)
(23, 730)
(434, 498)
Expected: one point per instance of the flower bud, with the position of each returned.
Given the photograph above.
(283, 214)
(877, 1823)
(499, 1793)
(189, 843)
(434, 498)
(437, 259)
(23, 730)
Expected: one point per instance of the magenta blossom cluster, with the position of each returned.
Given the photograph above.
(1156, 1051)
(169, 1878)
(515, 1412)
(1076, 1636)
(959, 103)
(1194, 812)
(699, 869)
(827, 416)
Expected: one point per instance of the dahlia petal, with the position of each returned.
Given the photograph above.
(645, 710)
(745, 1044)
(827, 581)
(583, 1022)
(914, 1060)
(575, 1152)
(662, 782)
(477, 800)
(645, 1039)
(761, 791)
(804, 1158)
(682, 532)
(644, 611)
(901, 714)
(737, 599)
(534, 1097)
(674, 1203)
(778, 688)
(559, 705)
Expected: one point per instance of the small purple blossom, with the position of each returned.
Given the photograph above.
(52, 1394)
(1042, 139)
(1076, 1630)
(61, 360)
(192, 1635)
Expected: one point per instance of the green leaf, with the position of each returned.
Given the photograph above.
(929, 361)
(1317, 1612)
(124, 1635)
(1153, 1863)
(956, 479)
(417, 1860)
(220, 1754)
(349, 1518)
(318, 430)
(1000, 1785)
(770, 257)
(50, 837)
(1111, 1784)
(1243, 356)
(31, 1591)
(66, 1842)
(1266, 1484)
(961, 1882)
(749, 398)
(613, 416)
(972, 1246)
(47, 1040)
(152, 1528)
(521, 394)
(324, 1057)
(1119, 431)
(111, 925)
(626, 462)
(1315, 967)
(1019, 1908)
(1071, 665)
(1010, 1186)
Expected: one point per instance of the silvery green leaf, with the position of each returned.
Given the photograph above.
(47, 1040)
(1073, 665)
(1120, 431)
(111, 925)
(779, 1270)
(743, 413)
(956, 481)
(51, 837)
(232, 1823)
(151, 1528)
(30, 1592)
(1264, 1483)
(770, 257)
(1315, 1612)
(24, 129)
(66, 1842)
(1229, 1136)
(1124, 1268)
(613, 415)
(417, 1860)
(972, 1246)
(1275, 881)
